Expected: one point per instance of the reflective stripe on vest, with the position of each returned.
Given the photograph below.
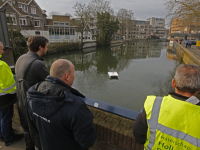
(154, 125)
(9, 88)
(7, 82)
(1, 94)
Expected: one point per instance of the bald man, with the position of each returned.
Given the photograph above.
(60, 115)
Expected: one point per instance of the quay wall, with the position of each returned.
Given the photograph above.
(185, 55)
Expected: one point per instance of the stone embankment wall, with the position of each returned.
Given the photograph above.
(113, 132)
(185, 55)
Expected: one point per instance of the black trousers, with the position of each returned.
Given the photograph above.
(32, 140)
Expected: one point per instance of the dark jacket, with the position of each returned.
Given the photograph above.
(140, 125)
(37, 72)
(62, 118)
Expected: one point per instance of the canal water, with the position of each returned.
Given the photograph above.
(144, 68)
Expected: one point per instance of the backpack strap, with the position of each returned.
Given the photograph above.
(29, 66)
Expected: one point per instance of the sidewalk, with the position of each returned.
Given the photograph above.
(20, 145)
(193, 48)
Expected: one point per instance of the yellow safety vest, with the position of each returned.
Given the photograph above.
(7, 81)
(172, 124)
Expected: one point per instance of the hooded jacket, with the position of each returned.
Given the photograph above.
(61, 116)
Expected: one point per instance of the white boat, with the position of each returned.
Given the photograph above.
(113, 75)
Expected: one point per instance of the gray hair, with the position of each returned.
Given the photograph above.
(60, 67)
(1, 43)
(187, 78)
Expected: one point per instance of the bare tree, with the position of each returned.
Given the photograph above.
(68, 14)
(100, 6)
(187, 10)
(82, 11)
(125, 18)
(54, 13)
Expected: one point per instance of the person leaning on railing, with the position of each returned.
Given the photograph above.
(172, 122)
(7, 99)
(62, 118)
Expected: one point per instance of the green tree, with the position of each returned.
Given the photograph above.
(107, 27)
(18, 43)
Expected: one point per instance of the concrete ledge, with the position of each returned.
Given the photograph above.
(186, 56)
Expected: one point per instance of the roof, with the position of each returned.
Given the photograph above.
(61, 18)
(19, 10)
(23, 1)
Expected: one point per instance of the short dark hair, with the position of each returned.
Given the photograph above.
(34, 42)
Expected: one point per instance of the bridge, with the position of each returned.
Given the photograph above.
(113, 123)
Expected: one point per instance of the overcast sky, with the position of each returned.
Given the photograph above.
(143, 9)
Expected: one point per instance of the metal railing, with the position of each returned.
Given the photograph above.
(117, 110)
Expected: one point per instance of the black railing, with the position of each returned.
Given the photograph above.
(117, 110)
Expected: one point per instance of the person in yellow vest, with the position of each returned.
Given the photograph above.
(7, 99)
(172, 122)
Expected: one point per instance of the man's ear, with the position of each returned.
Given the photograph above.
(40, 48)
(66, 76)
(173, 83)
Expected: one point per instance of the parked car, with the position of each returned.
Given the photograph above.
(193, 42)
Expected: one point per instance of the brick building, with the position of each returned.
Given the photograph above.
(26, 16)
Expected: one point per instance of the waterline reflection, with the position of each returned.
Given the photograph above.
(143, 70)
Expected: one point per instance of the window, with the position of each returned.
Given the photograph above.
(25, 8)
(61, 23)
(37, 32)
(56, 31)
(67, 24)
(37, 23)
(22, 21)
(33, 10)
(66, 31)
(20, 5)
(62, 31)
(11, 19)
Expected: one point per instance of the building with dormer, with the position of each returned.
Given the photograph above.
(26, 16)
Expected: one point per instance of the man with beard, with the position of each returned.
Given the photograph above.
(30, 69)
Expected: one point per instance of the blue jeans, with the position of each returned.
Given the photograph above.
(6, 131)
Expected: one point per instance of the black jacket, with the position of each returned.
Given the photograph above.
(63, 120)
(140, 125)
